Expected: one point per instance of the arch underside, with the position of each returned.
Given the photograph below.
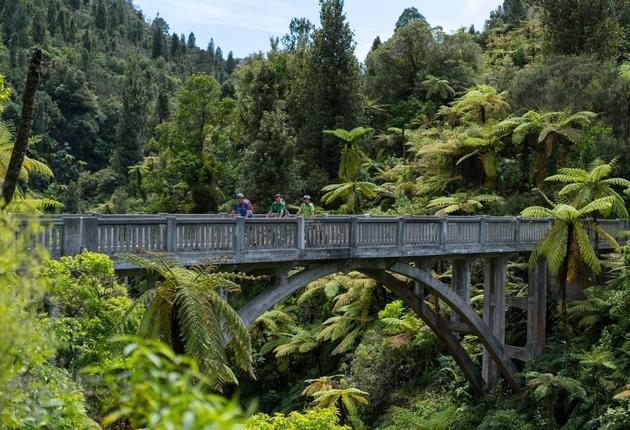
(381, 271)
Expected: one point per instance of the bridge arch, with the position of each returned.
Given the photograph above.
(381, 270)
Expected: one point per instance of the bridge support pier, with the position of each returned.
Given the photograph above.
(537, 309)
(425, 265)
(460, 281)
(493, 311)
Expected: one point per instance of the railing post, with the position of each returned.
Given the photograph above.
(400, 236)
(301, 232)
(239, 234)
(483, 230)
(171, 234)
(443, 232)
(354, 232)
(79, 233)
(90, 233)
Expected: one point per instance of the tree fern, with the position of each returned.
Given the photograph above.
(186, 310)
(586, 186)
(463, 203)
(567, 244)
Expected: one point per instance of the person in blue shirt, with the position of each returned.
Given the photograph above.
(242, 207)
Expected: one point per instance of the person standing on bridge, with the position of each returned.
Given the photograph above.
(307, 209)
(278, 207)
(242, 206)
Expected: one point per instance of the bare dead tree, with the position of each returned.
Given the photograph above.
(21, 142)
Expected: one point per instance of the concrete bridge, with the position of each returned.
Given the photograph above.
(379, 247)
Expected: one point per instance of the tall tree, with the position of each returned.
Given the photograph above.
(187, 180)
(174, 45)
(230, 63)
(300, 34)
(21, 142)
(134, 117)
(331, 97)
(210, 51)
(270, 159)
(192, 41)
(101, 16)
(158, 42)
(582, 26)
(398, 65)
(409, 15)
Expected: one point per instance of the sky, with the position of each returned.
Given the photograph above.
(245, 26)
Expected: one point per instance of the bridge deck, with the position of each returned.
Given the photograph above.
(194, 238)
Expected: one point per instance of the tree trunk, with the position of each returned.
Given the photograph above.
(564, 271)
(21, 143)
(540, 167)
(525, 168)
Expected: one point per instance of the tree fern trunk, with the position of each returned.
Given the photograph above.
(540, 168)
(176, 336)
(564, 271)
(21, 143)
(525, 167)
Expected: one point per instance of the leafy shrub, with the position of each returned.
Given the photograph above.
(164, 391)
(447, 417)
(505, 420)
(315, 419)
(33, 393)
(86, 305)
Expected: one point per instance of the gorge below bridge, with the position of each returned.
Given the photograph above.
(387, 249)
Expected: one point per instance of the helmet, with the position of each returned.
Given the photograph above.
(277, 195)
(306, 197)
(240, 196)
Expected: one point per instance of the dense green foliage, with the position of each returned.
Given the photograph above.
(133, 118)
(33, 392)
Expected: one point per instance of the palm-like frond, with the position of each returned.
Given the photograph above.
(436, 86)
(323, 383)
(29, 165)
(543, 385)
(467, 203)
(300, 340)
(186, 303)
(345, 398)
(481, 103)
(349, 136)
(586, 186)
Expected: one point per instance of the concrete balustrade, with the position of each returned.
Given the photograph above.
(238, 240)
(346, 236)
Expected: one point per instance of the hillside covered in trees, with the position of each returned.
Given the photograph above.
(529, 116)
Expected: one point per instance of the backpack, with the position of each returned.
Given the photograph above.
(251, 206)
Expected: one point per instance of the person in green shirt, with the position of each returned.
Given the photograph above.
(307, 209)
(278, 207)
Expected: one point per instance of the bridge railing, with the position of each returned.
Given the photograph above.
(207, 234)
